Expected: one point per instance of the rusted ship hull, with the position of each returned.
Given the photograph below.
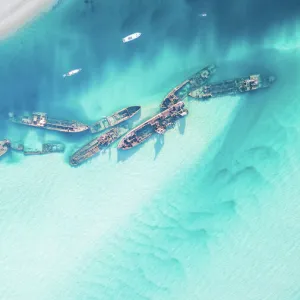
(41, 120)
(115, 119)
(232, 87)
(158, 124)
(4, 146)
(47, 148)
(182, 90)
(96, 145)
(65, 126)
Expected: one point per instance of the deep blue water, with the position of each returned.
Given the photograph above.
(88, 35)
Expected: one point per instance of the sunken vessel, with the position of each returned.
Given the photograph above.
(182, 90)
(115, 119)
(41, 120)
(158, 124)
(232, 87)
(96, 145)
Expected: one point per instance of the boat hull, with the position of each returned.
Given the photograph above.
(71, 73)
(4, 146)
(157, 124)
(96, 145)
(115, 119)
(232, 87)
(40, 120)
(47, 148)
(181, 91)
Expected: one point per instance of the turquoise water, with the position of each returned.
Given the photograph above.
(210, 211)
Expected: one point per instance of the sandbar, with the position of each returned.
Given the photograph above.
(14, 14)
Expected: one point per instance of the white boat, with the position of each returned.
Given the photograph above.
(131, 37)
(71, 73)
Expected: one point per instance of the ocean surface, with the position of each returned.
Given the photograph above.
(209, 211)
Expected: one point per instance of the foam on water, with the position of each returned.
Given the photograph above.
(209, 211)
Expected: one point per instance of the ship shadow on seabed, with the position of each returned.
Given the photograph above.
(106, 152)
(160, 138)
(181, 125)
(160, 141)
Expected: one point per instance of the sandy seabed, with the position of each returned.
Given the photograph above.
(16, 13)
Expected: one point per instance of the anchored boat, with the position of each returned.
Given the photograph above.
(72, 72)
(131, 37)
(97, 144)
(39, 119)
(182, 90)
(232, 87)
(115, 119)
(158, 124)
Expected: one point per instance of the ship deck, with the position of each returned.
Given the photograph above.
(96, 145)
(232, 87)
(181, 91)
(146, 129)
(115, 119)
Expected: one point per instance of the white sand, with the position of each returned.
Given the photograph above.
(16, 13)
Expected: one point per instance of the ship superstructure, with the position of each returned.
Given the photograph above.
(4, 146)
(232, 87)
(182, 90)
(115, 119)
(39, 119)
(158, 124)
(45, 149)
(97, 144)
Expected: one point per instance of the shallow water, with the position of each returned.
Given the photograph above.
(209, 211)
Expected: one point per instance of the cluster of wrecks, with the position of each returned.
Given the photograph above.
(45, 148)
(114, 127)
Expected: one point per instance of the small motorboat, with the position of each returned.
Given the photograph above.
(131, 37)
(71, 73)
